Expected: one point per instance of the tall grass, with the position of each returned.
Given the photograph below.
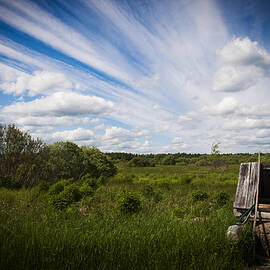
(91, 234)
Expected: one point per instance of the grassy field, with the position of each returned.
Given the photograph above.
(181, 224)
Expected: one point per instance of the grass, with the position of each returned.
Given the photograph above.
(92, 234)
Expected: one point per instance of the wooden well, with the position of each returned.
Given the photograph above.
(249, 175)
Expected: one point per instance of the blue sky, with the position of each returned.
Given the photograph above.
(138, 76)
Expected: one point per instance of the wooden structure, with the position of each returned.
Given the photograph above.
(253, 189)
(251, 178)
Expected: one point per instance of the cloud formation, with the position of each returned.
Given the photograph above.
(243, 64)
(61, 104)
(41, 82)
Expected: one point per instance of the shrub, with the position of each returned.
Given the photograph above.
(124, 178)
(169, 160)
(157, 196)
(96, 163)
(71, 193)
(86, 190)
(61, 196)
(147, 191)
(43, 186)
(186, 180)
(128, 203)
(221, 198)
(141, 162)
(90, 181)
(199, 195)
(58, 187)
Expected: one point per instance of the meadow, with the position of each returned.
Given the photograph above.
(175, 217)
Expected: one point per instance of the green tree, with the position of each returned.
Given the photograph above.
(22, 158)
(66, 160)
(96, 163)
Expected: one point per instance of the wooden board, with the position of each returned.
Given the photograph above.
(263, 216)
(246, 188)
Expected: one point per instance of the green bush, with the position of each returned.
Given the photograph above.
(185, 180)
(147, 191)
(86, 190)
(157, 197)
(221, 198)
(58, 187)
(128, 203)
(62, 199)
(90, 181)
(199, 195)
(43, 186)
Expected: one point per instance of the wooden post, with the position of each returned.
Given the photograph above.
(256, 205)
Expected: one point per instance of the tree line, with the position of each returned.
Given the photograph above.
(25, 161)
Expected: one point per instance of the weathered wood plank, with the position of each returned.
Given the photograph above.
(246, 187)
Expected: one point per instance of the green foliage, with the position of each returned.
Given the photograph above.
(199, 195)
(169, 160)
(173, 234)
(65, 160)
(90, 181)
(179, 212)
(201, 208)
(43, 186)
(96, 163)
(157, 196)
(128, 203)
(64, 198)
(147, 191)
(86, 190)
(221, 198)
(22, 158)
(58, 187)
(186, 179)
(141, 162)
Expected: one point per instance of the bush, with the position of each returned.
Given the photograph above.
(199, 195)
(147, 191)
(141, 162)
(58, 187)
(169, 160)
(61, 196)
(43, 186)
(96, 163)
(86, 190)
(90, 181)
(221, 198)
(157, 196)
(186, 180)
(128, 203)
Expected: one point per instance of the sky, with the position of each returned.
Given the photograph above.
(144, 76)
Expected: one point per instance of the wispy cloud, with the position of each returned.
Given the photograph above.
(151, 72)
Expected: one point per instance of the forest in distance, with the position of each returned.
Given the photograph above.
(68, 207)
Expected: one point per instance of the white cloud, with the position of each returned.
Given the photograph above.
(78, 134)
(61, 104)
(237, 78)
(52, 121)
(227, 105)
(16, 82)
(244, 52)
(247, 123)
(243, 63)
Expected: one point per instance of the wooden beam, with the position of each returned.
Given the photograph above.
(256, 205)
